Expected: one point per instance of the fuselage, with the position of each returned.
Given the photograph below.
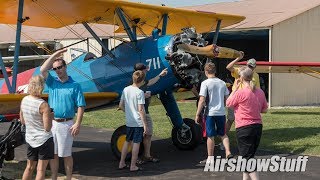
(105, 74)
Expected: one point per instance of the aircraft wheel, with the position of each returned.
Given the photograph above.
(117, 140)
(187, 139)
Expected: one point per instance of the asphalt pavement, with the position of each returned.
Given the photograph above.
(93, 159)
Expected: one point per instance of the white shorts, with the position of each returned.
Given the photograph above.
(62, 138)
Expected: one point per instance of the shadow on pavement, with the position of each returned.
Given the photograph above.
(93, 159)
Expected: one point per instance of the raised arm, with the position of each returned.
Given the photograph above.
(230, 66)
(47, 65)
(156, 79)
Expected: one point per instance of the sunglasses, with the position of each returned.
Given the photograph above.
(57, 68)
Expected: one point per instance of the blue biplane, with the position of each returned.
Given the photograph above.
(103, 78)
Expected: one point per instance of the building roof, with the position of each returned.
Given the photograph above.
(260, 13)
(8, 33)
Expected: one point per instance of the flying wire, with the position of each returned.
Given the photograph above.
(78, 35)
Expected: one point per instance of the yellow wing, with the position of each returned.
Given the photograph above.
(10, 103)
(309, 68)
(59, 13)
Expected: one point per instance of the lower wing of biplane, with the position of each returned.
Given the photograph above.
(308, 68)
(10, 103)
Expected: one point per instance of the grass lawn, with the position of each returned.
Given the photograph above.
(284, 130)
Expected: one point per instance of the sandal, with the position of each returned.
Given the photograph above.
(124, 167)
(141, 161)
(230, 156)
(151, 159)
(139, 169)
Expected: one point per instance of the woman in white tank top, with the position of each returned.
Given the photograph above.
(35, 114)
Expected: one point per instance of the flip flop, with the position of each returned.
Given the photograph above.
(139, 169)
(124, 167)
(151, 159)
(230, 156)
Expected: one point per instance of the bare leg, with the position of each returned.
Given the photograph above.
(68, 166)
(27, 174)
(147, 145)
(54, 166)
(245, 176)
(135, 152)
(228, 126)
(230, 119)
(226, 144)
(210, 146)
(41, 169)
(124, 152)
(254, 175)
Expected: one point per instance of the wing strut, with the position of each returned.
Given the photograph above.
(20, 20)
(132, 36)
(216, 34)
(164, 24)
(5, 74)
(96, 37)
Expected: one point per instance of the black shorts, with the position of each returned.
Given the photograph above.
(248, 138)
(43, 152)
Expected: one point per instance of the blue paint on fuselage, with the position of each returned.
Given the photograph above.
(105, 74)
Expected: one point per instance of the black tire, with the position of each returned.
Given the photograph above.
(191, 139)
(117, 140)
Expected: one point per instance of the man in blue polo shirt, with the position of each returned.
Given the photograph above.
(65, 95)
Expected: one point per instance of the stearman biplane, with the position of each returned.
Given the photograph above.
(172, 34)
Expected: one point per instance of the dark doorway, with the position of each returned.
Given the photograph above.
(254, 44)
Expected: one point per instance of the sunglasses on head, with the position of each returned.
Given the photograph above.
(59, 67)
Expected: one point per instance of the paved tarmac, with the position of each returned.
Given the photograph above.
(93, 159)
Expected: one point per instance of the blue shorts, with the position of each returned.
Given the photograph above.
(215, 125)
(134, 134)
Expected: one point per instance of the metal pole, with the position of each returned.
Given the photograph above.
(17, 47)
(5, 74)
(216, 34)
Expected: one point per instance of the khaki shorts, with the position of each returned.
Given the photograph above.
(62, 138)
(230, 114)
(149, 124)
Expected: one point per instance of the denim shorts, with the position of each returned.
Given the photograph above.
(134, 134)
(215, 125)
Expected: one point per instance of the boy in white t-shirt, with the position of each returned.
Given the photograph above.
(215, 91)
(132, 103)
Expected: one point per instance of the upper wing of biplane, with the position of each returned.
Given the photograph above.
(59, 13)
(309, 68)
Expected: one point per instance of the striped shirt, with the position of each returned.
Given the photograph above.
(36, 135)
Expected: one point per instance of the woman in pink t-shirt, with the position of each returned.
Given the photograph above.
(248, 102)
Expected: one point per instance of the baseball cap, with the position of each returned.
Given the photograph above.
(251, 62)
(140, 66)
